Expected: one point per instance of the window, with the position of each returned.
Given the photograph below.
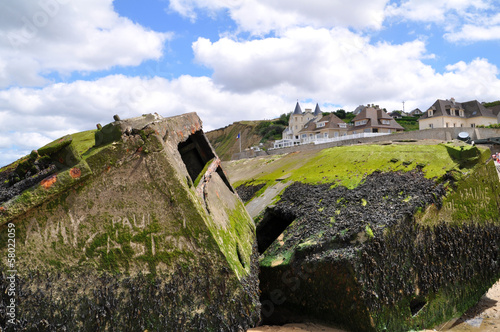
(354, 132)
(473, 125)
(462, 113)
(320, 124)
(342, 125)
(386, 122)
(430, 113)
(368, 130)
(195, 153)
(447, 124)
(431, 125)
(325, 135)
(361, 122)
(336, 134)
(295, 126)
(304, 135)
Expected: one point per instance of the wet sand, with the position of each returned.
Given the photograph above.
(483, 317)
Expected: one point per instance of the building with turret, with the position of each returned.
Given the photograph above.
(298, 120)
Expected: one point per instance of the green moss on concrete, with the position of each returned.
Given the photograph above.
(476, 199)
(349, 165)
(202, 173)
(83, 141)
(236, 239)
(55, 146)
(82, 225)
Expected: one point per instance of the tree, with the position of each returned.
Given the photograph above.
(349, 116)
(340, 113)
(283, 119)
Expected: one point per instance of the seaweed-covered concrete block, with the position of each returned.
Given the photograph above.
(379, 237)
(130, 227)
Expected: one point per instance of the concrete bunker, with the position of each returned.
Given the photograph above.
(124, 240)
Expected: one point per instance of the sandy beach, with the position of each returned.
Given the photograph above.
(483, 317)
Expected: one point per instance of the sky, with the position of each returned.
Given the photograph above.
(66, 65)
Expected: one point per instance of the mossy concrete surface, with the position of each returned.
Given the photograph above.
(389, 237)
(122, 240)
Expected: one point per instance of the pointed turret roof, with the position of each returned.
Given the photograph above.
(298, 110)
(317, 111)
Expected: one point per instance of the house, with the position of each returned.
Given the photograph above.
(372, 119)
(327, 126)
(449, 113)
(396, 114)
(298, 120)
(416, 112)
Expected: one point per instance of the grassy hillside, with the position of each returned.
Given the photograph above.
(224, 140)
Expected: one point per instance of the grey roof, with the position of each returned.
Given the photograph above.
(332, 121)
(298, 110)
(309, 126)
(396, 114)
(471, 109)
(317, 111)
(495, 109)
(375, 115)
(358, 109)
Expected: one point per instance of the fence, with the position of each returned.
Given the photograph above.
(284, 143)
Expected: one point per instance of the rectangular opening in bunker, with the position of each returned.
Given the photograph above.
(195, 153)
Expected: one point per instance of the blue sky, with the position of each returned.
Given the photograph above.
(66, 65)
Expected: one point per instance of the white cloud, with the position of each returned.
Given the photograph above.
(472, 33)
(333, 64)
(436, 10)
(480, 28)
(39, 37)
(463, 20)
(340, 67)
(66, 108)
(263, 16)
